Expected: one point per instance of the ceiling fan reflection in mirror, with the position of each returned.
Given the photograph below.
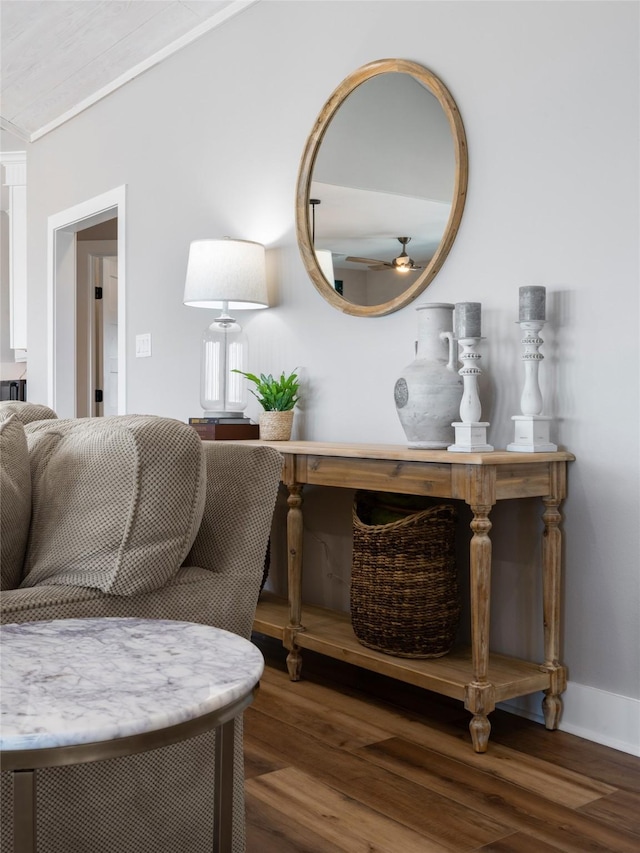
(403, 263)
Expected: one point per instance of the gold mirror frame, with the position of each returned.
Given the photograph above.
(303, 227)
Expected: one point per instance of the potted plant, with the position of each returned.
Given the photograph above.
(277, 398)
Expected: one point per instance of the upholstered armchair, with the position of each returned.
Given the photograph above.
(131, 516)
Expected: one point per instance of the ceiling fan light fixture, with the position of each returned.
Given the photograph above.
(403, 263)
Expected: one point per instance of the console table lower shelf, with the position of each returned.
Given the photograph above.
(330, 633)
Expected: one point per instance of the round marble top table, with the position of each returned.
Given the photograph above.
(78, 690)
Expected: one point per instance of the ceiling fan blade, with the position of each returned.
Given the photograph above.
(364, 260)
(381, 266)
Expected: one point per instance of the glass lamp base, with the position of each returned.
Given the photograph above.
(223, 392)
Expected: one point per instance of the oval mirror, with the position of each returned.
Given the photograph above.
(381, 187)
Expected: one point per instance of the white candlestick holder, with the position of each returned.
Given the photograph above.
(470, 431)
(531, 427)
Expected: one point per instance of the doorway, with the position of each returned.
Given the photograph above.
(97, 320)
(75, 345)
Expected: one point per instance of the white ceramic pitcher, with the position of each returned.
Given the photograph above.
(429, 392)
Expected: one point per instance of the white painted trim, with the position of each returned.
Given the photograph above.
(15, 167)
(64, 340)
(12, 157)
(210, 24)
(59, 227)
(17, 256)
(122, 309)
(590, 713)
(51, 260)
(14, 164)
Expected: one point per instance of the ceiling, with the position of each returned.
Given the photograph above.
(57, 57)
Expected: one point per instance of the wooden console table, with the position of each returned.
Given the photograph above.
(474, 675)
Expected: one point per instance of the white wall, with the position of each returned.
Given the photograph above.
(209, 143)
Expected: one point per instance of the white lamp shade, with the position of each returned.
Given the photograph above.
(226, 271)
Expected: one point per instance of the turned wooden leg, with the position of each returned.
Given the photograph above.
(294, 658)
(551, 590)
(480, 729)
(552, 710)
(479, 696)
(294, 665)
(294, 566)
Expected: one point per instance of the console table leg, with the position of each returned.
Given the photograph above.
(294, 658)
(480, 729)
(552, 710)
(479, 696)
(294, 567)
(551, 586)
(294, 665)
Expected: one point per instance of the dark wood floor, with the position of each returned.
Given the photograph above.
(346, 760)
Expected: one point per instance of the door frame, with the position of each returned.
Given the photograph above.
(62, 228)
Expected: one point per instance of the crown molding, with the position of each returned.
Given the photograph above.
(14, 129)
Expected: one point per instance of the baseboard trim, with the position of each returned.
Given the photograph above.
(590, 713)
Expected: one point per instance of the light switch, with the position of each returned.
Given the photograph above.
(143, 345)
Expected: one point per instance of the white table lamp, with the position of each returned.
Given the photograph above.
(229, 275)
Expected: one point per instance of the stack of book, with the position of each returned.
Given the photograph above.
(225, 429)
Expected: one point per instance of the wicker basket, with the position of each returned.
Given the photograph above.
(404, 586)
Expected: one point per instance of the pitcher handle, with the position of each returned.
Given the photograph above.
(453, 349)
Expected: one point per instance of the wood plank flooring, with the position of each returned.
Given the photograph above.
(347, 760)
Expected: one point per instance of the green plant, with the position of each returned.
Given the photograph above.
(274, 395)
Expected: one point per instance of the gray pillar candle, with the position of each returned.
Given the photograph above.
(467, 320)
(532, 303)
